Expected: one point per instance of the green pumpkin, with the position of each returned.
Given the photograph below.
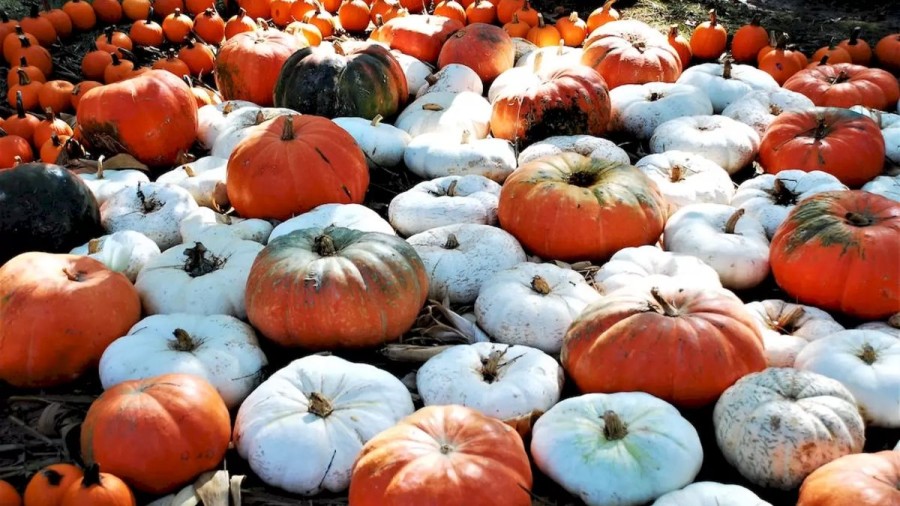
(362, 82)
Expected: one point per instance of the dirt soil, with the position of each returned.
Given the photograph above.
(40, 427)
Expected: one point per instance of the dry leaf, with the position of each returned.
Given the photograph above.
(411, 352)
(213, 488)
(124, 161)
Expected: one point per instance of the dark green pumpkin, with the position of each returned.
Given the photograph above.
(363, 82)
(44, 207)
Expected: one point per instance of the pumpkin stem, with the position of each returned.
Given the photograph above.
(894, 321)
(319, 405)
(199, 261)
(868, 354)
(854, 36)
(99, 173)
(324, 245)
(431, 79)
(108, 32)
(288, 133)
(183, 341)
(733, 219)
(821, 129)
(842, 76)
(76, 276)
(189, 171)
(607, 5)
(3, 133)
(614, 429)
(20, 104)
(491, 365)
(787, 322)
(713, 18)
(726, 69)
(91, 476)
(654, 96)
(451, 190)
(376, 120)
(540, 285)
(148, 205)
(673, 31)
(452, 242)
(93, 246)
(781, 195)
(53, 477)
(677, 173)
(667, 307)
(858, 219)
(432, 107)
(582, 178)
(446, 448)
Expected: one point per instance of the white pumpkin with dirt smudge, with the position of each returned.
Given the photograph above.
(204, 179)
(448, 113)
(106, 183)
(592, 147)
(710, 493)
(637, 109)
(444, 201)
(125, 251)
(729, 143)
(727, 82)
(440, 154)
(687, 178)
(353, 216)
(453, 78)
(211, 119)
(153, 209)
(787, 328)
(759, 108)
(383, 144)
(645, 267)
(220, 349)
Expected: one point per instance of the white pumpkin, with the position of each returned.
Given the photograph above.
(459, 258)
(778, 425)
(203, 178)
(382, 144)
(586, 145)
(710, 493)
(302, 428)
(532, 304)
(637, 109)
(505, 382)
(759, 108)
(522, 47)
(890, 130)
(203, 219)
(886, 186)
(154, 209)
(645, 267)
(770, 197)
(125, 251)
(206, 277)
(729, 143)
(726, 238)
(867, 362)
(239, 124)
(415, 70)
(453, 78)
(620, 449)
(211, 119)
(550, 58)
(448, 113)
(355, 216)
(439, 154)
(220, 349)
(726, 82)
(445, 201)
(106, 183)
(687, 178)
(890, 327)
(787, 328)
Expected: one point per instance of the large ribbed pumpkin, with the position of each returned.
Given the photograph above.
(291, 164)
(702, 341)
(846, 85)
(58, 313)
(248, 64)
(335, 288)
(152, 116)
(840, 251)
(486, 49)
(333, 82)
(631, 52)
(570, 207)
(419, 35)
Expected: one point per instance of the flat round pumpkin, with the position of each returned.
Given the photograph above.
(863, 479)
(484, 48)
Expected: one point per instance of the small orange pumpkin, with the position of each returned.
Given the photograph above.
(572, 29)
(21, 123)
(171, 63)
(9, 496)
(166, 7)
(450, 9)
(196, 7)
(602, 15)
(26, 91)
(108, 11)
(80, 89)
(543, 35)
(111, 41)
(887, 52)
(354, 15)
(94, 64)
(61, 22)
(481, 11)
(210, 27)
(527, 14)
(33, 73)
(40, 27)
(50, 150)
(506, 9)
(198, 56)
(748, 41)
(859, 50)
(82, 14)
(835, 54)
(177, 26)
(14, 149)
(136, 9)
(516, 28)
(484, 48)
(49, 126)
(239, 23)
(281, 12)
(118, 70)
(680, 45)
(709, 38)
(48, 485)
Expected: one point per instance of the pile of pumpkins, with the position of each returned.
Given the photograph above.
(166, 275)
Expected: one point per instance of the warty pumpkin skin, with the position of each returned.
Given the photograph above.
(863, 479)
(838, 251)
(370, 285)
(570, 207)
(362, 82)
(152, 116)
(248, 64)
(291, 164)
(58, 313)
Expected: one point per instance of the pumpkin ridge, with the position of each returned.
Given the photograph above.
(813, 220)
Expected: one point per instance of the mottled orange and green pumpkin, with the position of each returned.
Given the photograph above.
(838, 251)
(335, 288)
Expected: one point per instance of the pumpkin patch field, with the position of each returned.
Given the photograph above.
(480, 252)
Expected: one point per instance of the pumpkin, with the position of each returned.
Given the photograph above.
(59, 313)
(364, 82)
(204, 222)
(748, 40)
(450, 9)
(572, 29)
(453, 78)
(443, 455)
(416, 71)
(709, 38)
(16, 150)
(96, 488)
(506, 9)
(204, 179)
(240, 23)
(759, 108)
(135, 9)
(159, 433)
(40, 27)
(602, 15)
(779, 62)
(727, 142)
(48, 485)
(886, 186)
(125, 251)
(353, 216)
(845, 85)
(61, 22)
(859, 50)
(9, 495)
(210, 27)
(646, 267)
(82, 14)
(779, 425)
(54, 211)
(418, 35)
(444, 201)
(238, 125)
(602, 150)
(325, 166)
(452, 114)
(685, 178)
(787, 328)
(166, 7)
(484, 48)
(105, 183)
(391, 285)
(432, 155)
(867, 479)
(724, 83)
(681, 45)
(480, 11)
(710, 493)
(631, 52)
(567, 101)
(323, 407)
(887, 52)
(637, 109)
(199, 57)
(693, 329)
(248, 64)
(154, 209)
(563, 207)
(843, 143)
(621, 448)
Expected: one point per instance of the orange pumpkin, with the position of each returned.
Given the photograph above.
(125, 117)
(59, 313)
(484, 48)
(859, 50)
(94, 63)
(196, 7)
(843, 143)
(256, 9)
(166, 7)
(709, 38)
(680, 45)
(47, 486)
(450, 9)
(591, 197)
(80, 89)
(50, 126)
(305, 33)
(7, 26)
(54, 95)
(631, 52)
(420, 36)
(50, 150)
(26, 92)
(98, 489)
(9, 496)
(846, 85)
(199, 57)
(748, 41)
(40, 27)
(240, 23)
(780, 62)
(851, 235)
(322, 19)
(248, 65)
(281, 12)
(210, 27)
(887, 52)
(177, 26)
(118, 70)
(111, 41)
(602, 15)
(21, 123)
(443, 455)
(147, 32)
(354, 15)
(506, 9)
(692, 331)
(171, 63)
(14, 149)
(544, 35)
(572, 29)
(81, 13)
(862, 479)
(527, 14)
(36, 55)
(300, 7)
(834, 53)
(108, 11)
(136, 9)
(159, 433)
(481, 11)
(61, 22)
(293, 164)
(516, 28)
(34, 74)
